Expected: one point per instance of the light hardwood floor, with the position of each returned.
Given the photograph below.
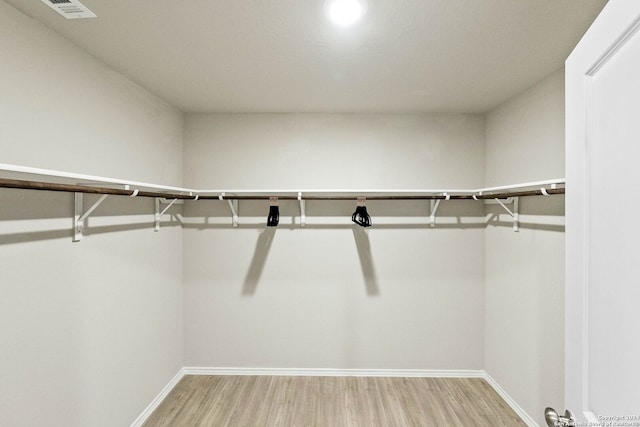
(266, 401)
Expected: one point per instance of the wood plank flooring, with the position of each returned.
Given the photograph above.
(265, 401)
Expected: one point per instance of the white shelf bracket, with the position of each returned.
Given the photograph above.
(159, 213)
(233, 207)
(79, 217)
(514, 214)
(435, 204)
(434, 208)
(303, 213)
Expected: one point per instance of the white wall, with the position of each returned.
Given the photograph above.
(90, 332)
(524, 298)
(398, 295)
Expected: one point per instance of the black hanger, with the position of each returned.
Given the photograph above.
(361, 216)
(274, 212)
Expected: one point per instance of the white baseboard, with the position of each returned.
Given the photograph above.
(321, 372)
(158, 400)
(512, 403)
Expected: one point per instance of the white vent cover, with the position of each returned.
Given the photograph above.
(70, 9)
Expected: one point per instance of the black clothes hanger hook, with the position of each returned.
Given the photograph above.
(274, 212)
(361, 216)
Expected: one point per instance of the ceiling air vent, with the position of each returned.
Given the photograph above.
(70, 9)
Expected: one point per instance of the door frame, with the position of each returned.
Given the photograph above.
(618, 22)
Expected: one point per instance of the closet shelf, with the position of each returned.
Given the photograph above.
(22, 177)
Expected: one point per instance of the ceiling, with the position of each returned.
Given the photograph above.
(283, 56)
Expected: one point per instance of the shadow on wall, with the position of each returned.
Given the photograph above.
(28, 216)
(366, 261)
(67, 233)
(536, 213)
(263, 247)
(260, 254)
(125, 214)
(410, 214)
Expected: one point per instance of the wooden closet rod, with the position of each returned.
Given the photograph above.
(74, 188)
(497, 195)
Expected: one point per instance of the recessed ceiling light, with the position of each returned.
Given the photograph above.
(344, 12)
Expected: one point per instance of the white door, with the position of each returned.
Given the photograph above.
(602, 354)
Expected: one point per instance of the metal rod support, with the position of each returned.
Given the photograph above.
(505, 207)
(233, 206)
(515, 215)
(92, 208)
(158, 214)
(77, 224)
(79, 217)
(434, 209)
(167, 208)
(303, 213)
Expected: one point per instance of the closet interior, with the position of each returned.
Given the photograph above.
(255, 192)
